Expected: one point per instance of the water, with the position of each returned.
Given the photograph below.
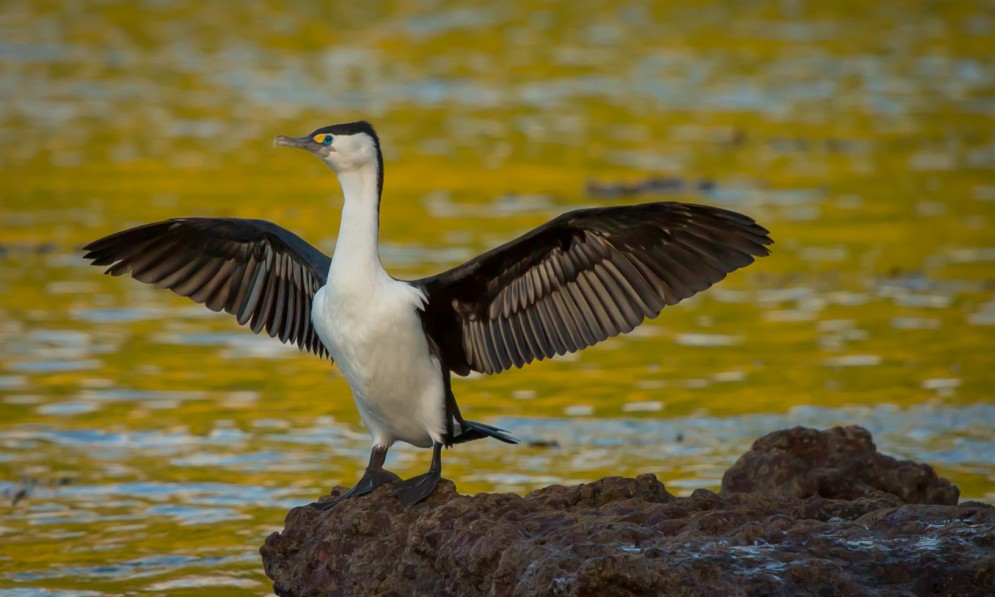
(149, 445)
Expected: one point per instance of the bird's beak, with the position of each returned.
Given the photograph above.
(298, 142)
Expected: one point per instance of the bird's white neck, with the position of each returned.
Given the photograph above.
(356, 255)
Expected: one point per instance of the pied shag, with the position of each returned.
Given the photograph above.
(582, 277)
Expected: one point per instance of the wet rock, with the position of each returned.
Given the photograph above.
(621, 536)
(27, 486)
(839, 463)
(19, 249)
(653, 185)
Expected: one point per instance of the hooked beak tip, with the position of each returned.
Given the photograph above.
(283, 141)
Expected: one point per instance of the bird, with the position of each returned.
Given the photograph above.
(580, 278)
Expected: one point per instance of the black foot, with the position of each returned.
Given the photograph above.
(370, 481)
(325, 505)
(416, 489)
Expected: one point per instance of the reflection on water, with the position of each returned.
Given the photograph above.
(150, 445)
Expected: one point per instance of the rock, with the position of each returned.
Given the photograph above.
(621, 536)
(655, 185)
(841, 463)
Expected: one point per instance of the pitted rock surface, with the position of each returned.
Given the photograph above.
(623, 536)
(839, 463)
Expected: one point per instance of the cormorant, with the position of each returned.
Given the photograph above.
(582, 277)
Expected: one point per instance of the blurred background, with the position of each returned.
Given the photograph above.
(149, 445)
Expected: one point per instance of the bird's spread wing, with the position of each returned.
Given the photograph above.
(263, 274)
(581, 278)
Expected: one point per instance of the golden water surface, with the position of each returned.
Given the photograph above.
(149, 446)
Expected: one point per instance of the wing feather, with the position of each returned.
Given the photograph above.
(583, 277)
(261, 273)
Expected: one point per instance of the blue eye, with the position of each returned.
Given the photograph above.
(327, 140)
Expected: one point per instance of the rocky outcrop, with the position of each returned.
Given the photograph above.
(840, 463)
(621, 536)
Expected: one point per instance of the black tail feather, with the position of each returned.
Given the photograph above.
(472, 431)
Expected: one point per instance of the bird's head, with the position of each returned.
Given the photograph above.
(343, 147)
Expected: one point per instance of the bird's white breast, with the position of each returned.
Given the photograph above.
(374, 333)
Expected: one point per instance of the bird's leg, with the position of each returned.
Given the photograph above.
(374, 477)
(375, 474)
(415, 489)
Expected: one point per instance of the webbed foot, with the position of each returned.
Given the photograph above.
(416, 489)
(374, 477)
(370, 481)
